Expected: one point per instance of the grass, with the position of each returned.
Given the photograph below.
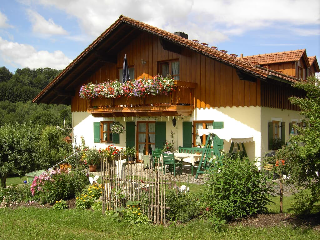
(15, 180)
(35, 223)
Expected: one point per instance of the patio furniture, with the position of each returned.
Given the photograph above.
(171, 162)
(188, 159)
(209, 154)
(156, 154)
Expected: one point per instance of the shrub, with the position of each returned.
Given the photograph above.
(303, 203)
(236, 189)
(133, 214)
(182, 207)
(60, 205)
(15, 194)
(88, 196)
(53, 186)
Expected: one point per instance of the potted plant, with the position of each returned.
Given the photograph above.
(131, 154)
(93, 159)
(117, 128)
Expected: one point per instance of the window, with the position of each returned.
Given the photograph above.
(146, 137)
(276, 128)
(276, 134)
(197, 139)
(131, 73)
(292, 130)
(169, 69)
(106, 135)
(102, 133)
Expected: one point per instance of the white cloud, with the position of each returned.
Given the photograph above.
(212, 21)
(23, 55)
(44, 27)
(3, 21)
(306, 32)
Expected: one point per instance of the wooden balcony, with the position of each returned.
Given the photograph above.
(180, 102)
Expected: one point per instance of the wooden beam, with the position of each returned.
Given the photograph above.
(246, 76)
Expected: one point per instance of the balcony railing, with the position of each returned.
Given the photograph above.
(178, 102)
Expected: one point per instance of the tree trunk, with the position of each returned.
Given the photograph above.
(281, 193)
(3, 181)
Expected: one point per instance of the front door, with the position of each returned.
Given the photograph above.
(146, 137)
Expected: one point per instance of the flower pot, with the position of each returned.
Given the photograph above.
(92, 168)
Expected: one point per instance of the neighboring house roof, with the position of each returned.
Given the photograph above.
(279, 57)
(123, 30)
(313, 60)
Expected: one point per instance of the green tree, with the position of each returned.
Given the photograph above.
(52, 147)
(5, 74)
(25, 148)
(18, 150)
(302, 152)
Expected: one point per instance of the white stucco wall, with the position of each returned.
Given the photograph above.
(252, 120)
(244, 119)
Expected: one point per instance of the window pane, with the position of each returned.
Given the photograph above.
(165, 69)
(142, 127)
(152, 127)
(120, 75)
(152, 138)
(209, 125)
(142, 137)
(175, 68)
(105, 136)
(105, 127)
(131, 73)
(142, 148)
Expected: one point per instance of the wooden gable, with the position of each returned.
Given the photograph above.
(218, 79)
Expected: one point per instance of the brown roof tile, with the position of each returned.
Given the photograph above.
(269, 58)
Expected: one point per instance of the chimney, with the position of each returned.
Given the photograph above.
(181, 34)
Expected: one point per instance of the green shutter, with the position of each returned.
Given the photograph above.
(130, 134)
(283, 132)
(187, 134)
(270, 135)
(160, 134)
(116, 138)
(218, 125)
(96, 132)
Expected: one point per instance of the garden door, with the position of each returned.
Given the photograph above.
(146, 138)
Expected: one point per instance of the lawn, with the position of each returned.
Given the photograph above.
(38, 223)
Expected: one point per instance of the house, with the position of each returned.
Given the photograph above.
(212, 90)
(293, 63)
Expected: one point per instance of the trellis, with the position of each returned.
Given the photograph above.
(123, 182)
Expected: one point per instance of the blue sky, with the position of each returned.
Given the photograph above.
(51, 33)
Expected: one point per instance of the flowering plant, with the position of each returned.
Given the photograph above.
(91, 156)
(111, 152)
(136, 88)
(117, 127)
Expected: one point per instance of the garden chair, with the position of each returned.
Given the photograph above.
(172, 163)
(156, 154)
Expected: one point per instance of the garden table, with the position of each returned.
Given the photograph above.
(191, 158)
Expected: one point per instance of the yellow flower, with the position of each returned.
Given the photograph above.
(139, 213)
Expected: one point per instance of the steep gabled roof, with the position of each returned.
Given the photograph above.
(279, 57)
(121, 32)
(313, 61)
